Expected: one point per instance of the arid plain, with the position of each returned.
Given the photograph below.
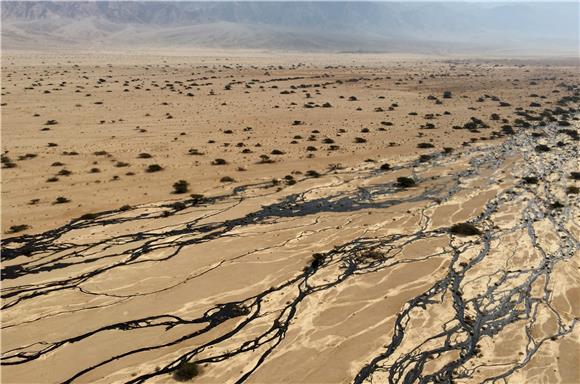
(343, 218)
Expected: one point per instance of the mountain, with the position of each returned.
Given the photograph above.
(308, 26)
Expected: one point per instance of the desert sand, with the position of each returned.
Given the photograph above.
(346, 218)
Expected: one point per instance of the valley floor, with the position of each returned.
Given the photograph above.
(357, 272)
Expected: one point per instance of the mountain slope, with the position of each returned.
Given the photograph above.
(325, 26)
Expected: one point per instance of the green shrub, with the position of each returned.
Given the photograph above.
(464, 229)
(153, 168)
(186, 372)
(405, 182)
(180, 186)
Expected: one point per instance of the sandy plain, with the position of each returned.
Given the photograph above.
(317, 263)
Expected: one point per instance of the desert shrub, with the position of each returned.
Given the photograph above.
(317, 260)
(425, 145)
(178, 206)
(447, 95)
(405, 182)
(89, 216)
(219, 162)
(180, 186)
(464, 229)
(61, 200)
(312, 173)
(196, 198)
(265, 159)
(530, 180)
(18, 228)
(185, 372)
(227, 179)
(360, 140)
(7, 162)
(385, 167)
(144, 156)
(507, 129)
(27, 156)
(153, 168)
(194, 152)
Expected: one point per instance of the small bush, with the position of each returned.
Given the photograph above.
(405, 182)
(180, 186)
(18, 228)
(530, 180)
(186, 372)
(312, 173)
(89, 216)
(507, 129)
(464, 229)
(425, 145)
(219, 162)
(61, 200)
(153, 168)
(194, 152)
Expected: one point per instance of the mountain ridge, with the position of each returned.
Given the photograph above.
(318, 26)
